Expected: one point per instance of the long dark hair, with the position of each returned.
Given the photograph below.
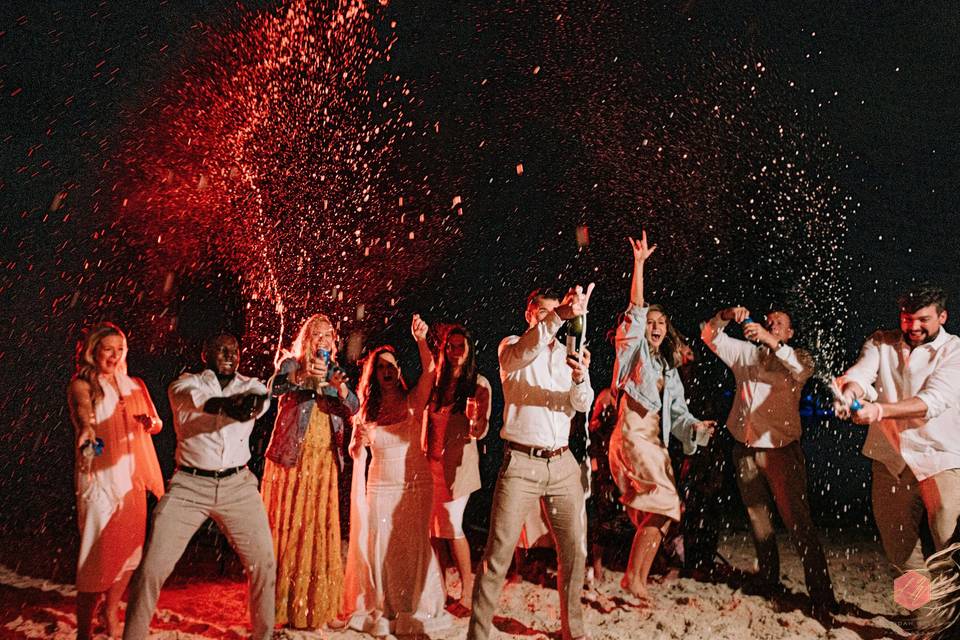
(467, 383)
(368, 391)
(671, 349)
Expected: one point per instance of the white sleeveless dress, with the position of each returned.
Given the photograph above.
(393, 582)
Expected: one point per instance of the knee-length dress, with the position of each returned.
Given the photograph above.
(393, 579)
(111, 495)
(303, 510)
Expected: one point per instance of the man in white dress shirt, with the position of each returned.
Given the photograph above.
(213, 413)
(908, 381)
(542, 389)
(765, 423)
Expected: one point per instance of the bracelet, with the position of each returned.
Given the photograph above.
(879, 412)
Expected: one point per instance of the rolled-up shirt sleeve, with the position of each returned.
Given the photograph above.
(259, 389)
(864, 372)
(797, 361)
(185, 393)
(581, 395)
(941, 391)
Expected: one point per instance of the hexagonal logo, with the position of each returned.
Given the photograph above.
(911, 590)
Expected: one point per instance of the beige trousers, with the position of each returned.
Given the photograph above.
(899, 505)
(235, 505)
(778, 477)
(526, 483)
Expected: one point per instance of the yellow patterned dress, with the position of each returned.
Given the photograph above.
(304, 517)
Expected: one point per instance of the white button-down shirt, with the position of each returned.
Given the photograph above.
(205, 440)
(888, 371)
(539, 395)
(766, 406)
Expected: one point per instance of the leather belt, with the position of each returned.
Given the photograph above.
(537, 452)
(216, 475)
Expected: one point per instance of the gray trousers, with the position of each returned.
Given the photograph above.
(526, 483)
(234, 503)
(778, 477)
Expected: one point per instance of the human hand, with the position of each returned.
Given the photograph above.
(842, 401)
(869, 413)
(338, 379)
(641, 250)
(703, 431)
(87, 434)
(737, 314)
(575, 302)
(419, 328)
(756, 332)
(578, 368)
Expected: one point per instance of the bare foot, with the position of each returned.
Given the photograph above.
(635, 588)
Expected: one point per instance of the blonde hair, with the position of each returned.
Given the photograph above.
(86, 355)
(299, 343)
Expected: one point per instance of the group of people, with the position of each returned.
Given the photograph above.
(421, 439)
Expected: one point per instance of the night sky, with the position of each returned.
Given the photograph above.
(778, 152)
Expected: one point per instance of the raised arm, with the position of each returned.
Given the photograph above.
(517, 353)
(731, 351)
(428, 366)
(641, 251)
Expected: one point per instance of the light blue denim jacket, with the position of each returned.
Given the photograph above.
(293, 417)
(636, 372)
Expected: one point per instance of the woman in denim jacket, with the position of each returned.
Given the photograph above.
(650, 406)
(299, 488)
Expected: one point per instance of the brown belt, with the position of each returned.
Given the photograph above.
(537, 452)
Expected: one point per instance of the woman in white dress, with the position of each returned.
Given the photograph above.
(392, 581)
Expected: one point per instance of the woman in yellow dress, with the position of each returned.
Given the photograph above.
(299, 487)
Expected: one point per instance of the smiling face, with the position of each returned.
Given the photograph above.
(922, 325)
(321, 335)
(222, 355)
(108, 354)
(656, 329)
(387, 370)
(779, 325)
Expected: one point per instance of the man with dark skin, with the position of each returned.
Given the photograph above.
(213, 414)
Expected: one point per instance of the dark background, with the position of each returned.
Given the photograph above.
(861, 96)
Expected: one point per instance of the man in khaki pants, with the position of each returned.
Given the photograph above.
(213, 413)
(543, 388)
(909, 383)
(765, 423)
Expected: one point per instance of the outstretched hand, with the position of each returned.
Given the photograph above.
(641, 250)
(419, 328)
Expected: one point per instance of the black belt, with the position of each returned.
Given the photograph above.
(204, 473)
(537, 452)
